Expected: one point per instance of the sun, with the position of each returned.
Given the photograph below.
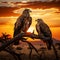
(30, 29)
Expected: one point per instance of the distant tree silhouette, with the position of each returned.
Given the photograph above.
(5, 36)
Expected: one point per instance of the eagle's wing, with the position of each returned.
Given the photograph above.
(27, 23)
(44, 28)
(18, 26)
(30, 21)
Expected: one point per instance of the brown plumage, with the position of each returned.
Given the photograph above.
(44, 32)
(23, 23)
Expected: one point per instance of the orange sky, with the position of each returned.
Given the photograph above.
(50, 15)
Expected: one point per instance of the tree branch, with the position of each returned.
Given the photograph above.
(19, 37)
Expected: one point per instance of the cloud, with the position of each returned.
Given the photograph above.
(7, 4)
(12, 4)
(27, 0)
(7, 11)
(22, 0)
(58, 12)
(7, 8)
(7, 20)
(3, 23)
(43, 5)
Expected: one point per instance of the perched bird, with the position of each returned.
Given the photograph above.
(23, 23)
(44, 32)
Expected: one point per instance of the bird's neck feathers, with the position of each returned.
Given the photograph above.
(26, 14)
(41, 22)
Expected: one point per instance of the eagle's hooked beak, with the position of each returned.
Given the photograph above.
(36, 20)
(39, 20)
(29, 10)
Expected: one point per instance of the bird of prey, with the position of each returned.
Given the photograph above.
(23, 23)
(44, 32)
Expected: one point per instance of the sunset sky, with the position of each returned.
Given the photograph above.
(48, 10)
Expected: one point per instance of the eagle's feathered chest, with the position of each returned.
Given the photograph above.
(23, 23)
(42, 28)
(26, 24)
(26, 21)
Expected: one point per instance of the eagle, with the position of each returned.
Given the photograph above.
(22, 24)
(44, 32)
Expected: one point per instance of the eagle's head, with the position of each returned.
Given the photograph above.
(39, 20)
(26, 12)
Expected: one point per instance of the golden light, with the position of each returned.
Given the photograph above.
(24, 1)
(30, 29)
